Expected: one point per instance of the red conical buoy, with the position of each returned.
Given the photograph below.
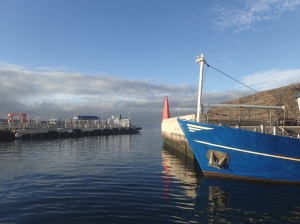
(166, 113)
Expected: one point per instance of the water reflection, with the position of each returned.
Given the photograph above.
(128, 179)
(230, 201)
(220, 200)
(181, 168)
(53, 156)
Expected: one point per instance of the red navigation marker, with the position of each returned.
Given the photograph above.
(166, 113)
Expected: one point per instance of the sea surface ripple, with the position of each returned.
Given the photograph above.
(128, 179)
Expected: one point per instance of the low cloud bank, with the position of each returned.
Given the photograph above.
(64, 94)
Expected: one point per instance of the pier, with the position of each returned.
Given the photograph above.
(173, 137)
(30, 134)
(30, 130)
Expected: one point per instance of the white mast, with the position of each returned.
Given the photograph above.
(298, 99)
(200, 60)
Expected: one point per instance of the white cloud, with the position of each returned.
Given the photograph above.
(57, 69)
(251, 11)
(40, 94)
(274, 78)
(9, 66)
(242, 28)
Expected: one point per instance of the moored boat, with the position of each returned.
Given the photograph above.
(246, 154)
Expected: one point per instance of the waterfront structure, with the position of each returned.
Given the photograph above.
(76, 127)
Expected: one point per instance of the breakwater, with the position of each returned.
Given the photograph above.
(30, 134)
(173, 137)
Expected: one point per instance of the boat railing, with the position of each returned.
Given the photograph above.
(239, 114)
(267, 119)
(97, 126)
(20, 125)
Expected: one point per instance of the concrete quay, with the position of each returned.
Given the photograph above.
(173, 137)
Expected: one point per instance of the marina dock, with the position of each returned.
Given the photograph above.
(54, 129)
(30, 133)
(78, 126)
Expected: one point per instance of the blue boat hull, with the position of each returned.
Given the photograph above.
(235, 153)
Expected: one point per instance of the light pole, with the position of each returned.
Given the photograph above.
(102, 115)
(53, 109)
(129, 123)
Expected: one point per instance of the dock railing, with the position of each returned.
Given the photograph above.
(67, 123)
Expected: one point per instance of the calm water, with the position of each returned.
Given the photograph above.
(127, 179)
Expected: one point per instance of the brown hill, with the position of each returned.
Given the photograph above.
(283, 96)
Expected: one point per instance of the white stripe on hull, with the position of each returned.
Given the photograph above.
(247, 151)
(193, 127)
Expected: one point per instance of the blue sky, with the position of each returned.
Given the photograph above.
(67, 57)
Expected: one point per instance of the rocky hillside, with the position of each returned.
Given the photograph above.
(283, 96)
